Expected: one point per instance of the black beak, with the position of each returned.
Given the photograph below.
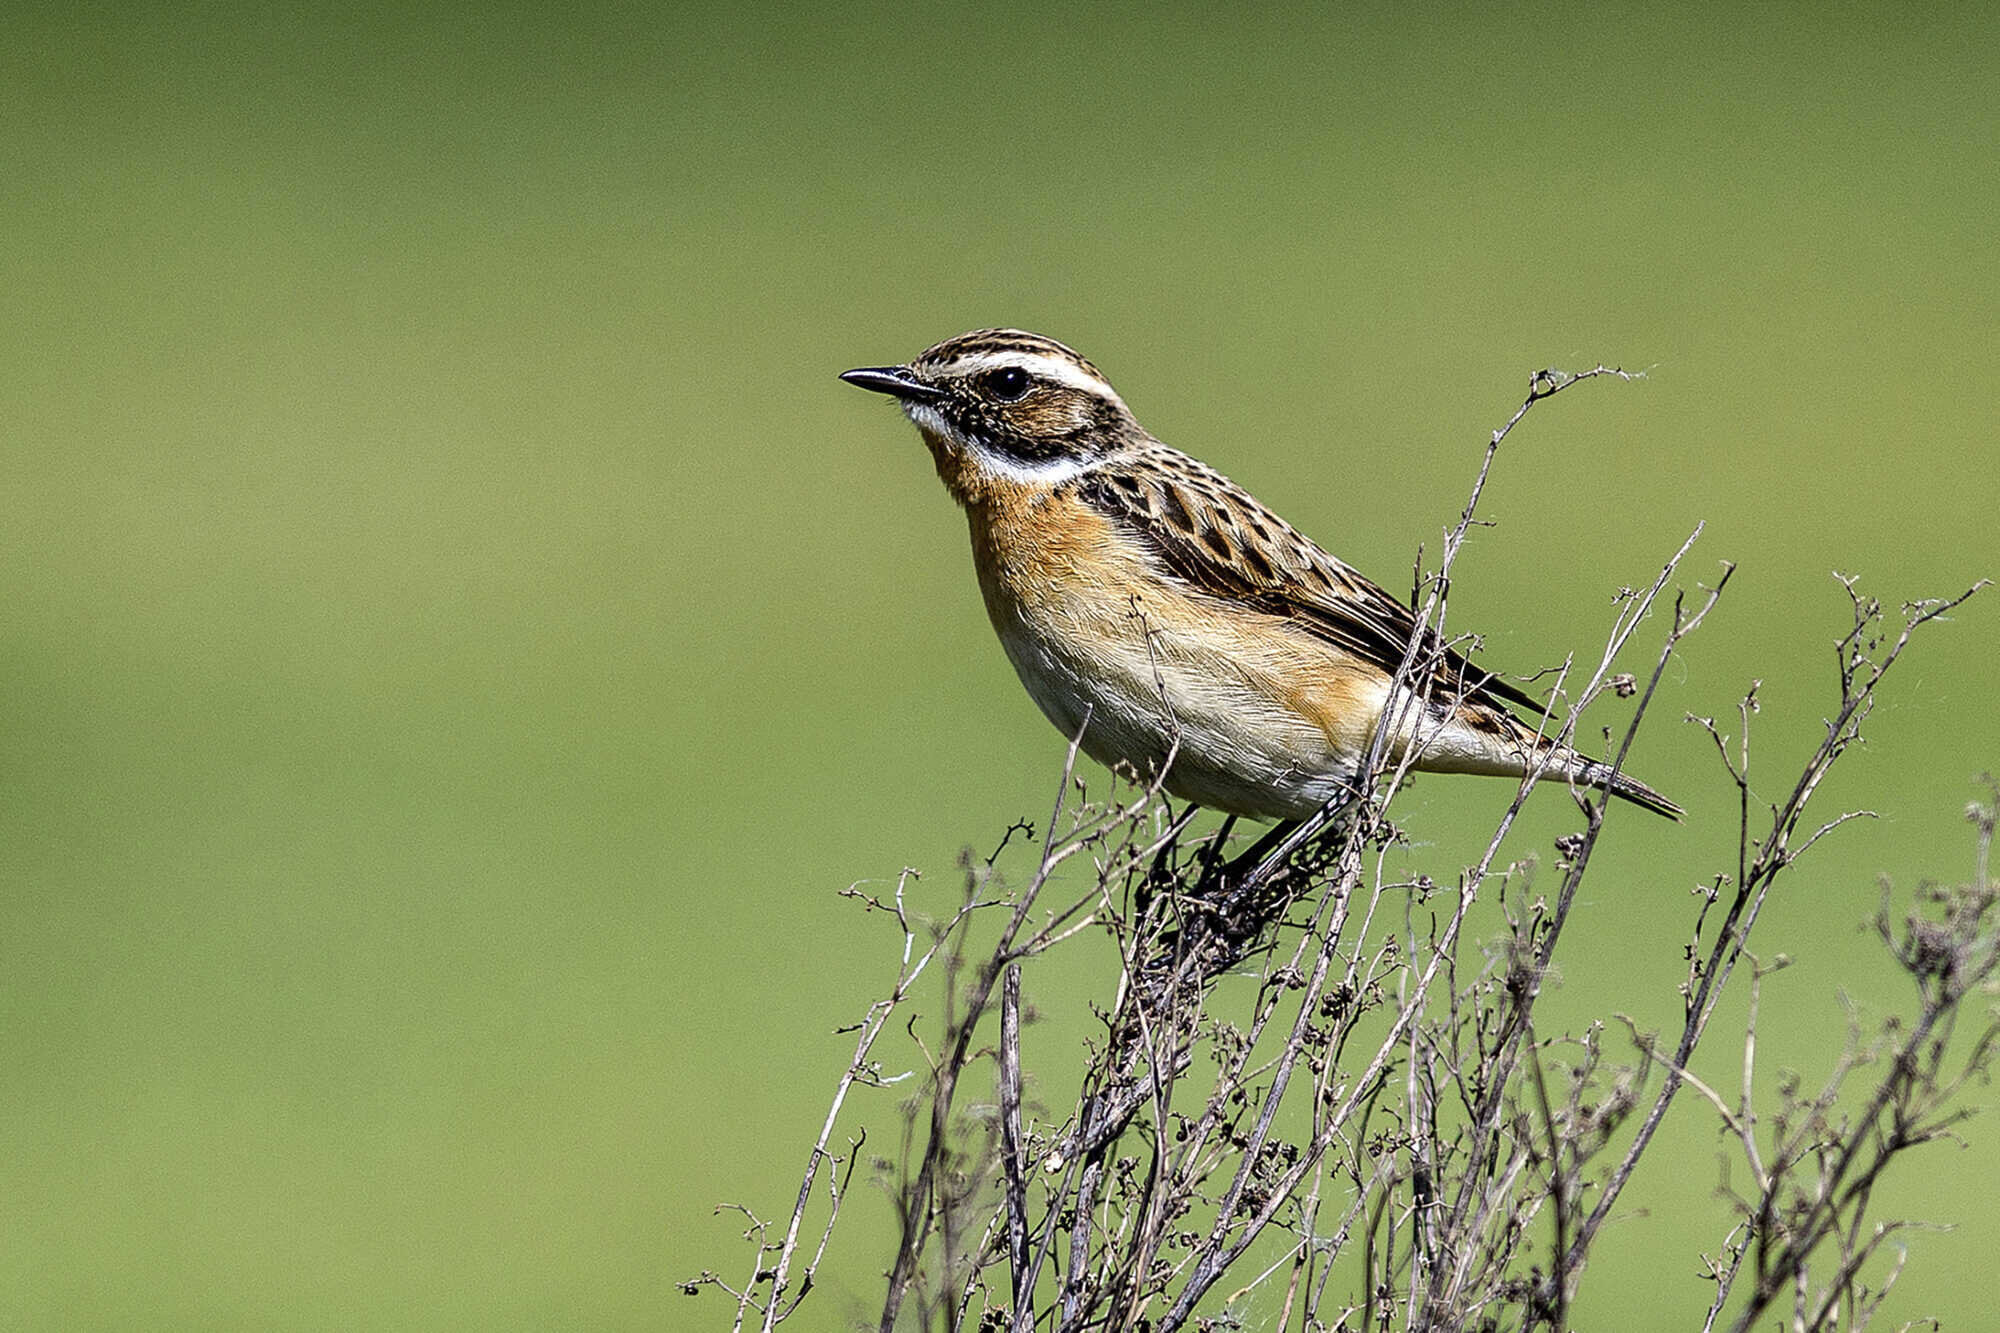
(894, 381)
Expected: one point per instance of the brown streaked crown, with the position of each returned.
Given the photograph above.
(993, 342)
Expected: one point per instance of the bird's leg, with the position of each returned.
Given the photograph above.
(1160, 874)
(1263, 877)
(1227, 888)
(1211, 857)
(1249, 866)
(1208, 881)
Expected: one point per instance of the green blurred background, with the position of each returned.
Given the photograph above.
(459, 635)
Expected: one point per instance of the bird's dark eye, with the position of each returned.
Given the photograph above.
(1009, 384)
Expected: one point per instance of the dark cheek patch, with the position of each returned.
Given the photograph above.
(1043, 420)
(1042, 429)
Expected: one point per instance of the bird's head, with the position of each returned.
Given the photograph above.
(1003, 408)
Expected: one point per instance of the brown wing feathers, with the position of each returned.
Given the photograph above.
(1216, 537)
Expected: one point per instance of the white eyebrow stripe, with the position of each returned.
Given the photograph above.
(1039, 364)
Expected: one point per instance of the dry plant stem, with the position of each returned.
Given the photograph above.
(944, 1075)
(1374, 1097)
(1011, 1156)
(1760, 861)
(1724, 1275)
(859, 1069)
(1430, 621)
(1220, 1253)
(1428, 640)
(1912, 1103)
(863, 1069)
(1468, 1212)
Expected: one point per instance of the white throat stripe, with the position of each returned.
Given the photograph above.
(1051, 473)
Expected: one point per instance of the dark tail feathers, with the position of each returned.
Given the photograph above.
(1626, 788)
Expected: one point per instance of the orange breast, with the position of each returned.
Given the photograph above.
(1044, 553)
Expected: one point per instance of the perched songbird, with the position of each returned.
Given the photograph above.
(1153, 608)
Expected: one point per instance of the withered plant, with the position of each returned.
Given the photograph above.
(1372, 1130)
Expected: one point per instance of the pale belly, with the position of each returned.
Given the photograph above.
(1144, 692)
(1244, 713)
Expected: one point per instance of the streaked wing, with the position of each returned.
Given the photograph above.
(1215, 536)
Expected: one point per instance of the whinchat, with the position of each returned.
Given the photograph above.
(1162, 616)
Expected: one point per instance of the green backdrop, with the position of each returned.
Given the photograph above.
(459, 635)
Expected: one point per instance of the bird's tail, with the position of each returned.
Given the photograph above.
(1487, 740)
(1595, 773)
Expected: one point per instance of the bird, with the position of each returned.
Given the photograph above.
(1171, 624)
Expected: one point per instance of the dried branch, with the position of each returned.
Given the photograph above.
(1313, 1085)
